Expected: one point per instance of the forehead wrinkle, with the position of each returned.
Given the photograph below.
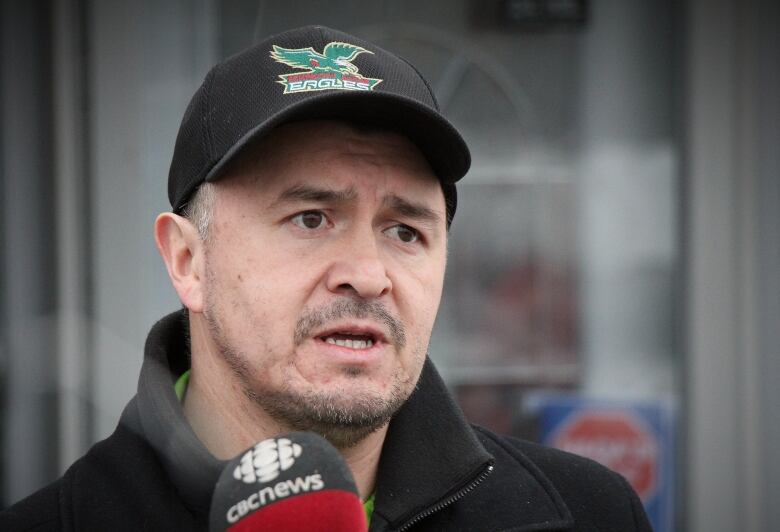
(378, 149)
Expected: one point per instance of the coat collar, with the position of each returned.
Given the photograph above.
(431, 453)
(189, 465)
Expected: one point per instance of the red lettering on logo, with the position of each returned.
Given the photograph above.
(292, 78)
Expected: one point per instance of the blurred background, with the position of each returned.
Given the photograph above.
(614, 278)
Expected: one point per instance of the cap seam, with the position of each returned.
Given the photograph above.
(206, 117)
(425, 82)
(321, 31)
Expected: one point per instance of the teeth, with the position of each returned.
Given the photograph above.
(352, 344)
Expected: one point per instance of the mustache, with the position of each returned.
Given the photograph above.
(317, 318)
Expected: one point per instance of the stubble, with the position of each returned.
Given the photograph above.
(343, 417)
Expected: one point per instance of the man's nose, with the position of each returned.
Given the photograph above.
(359, 269)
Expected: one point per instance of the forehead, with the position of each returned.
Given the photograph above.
(336, 154)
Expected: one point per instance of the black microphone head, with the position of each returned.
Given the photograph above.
(292, 482)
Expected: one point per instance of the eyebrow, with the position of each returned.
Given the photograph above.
(402, 206)
(323, 195)
(409, 209)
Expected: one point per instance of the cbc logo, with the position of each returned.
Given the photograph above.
(266, 460)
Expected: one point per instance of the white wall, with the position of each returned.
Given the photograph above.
(147, 60)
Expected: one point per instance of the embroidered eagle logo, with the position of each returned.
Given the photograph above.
(335, 57)
(331, 69)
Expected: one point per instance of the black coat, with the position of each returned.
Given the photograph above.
(436, 471)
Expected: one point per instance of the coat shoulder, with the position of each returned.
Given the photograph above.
(39, 512)
(117, 485)
(597, 497)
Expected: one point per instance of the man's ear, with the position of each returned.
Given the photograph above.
(182, 250)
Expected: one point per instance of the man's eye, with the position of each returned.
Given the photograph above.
(309, 220)
(404, 233)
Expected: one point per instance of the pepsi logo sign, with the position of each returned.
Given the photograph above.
(616, 439)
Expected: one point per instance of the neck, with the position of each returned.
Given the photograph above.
(227, 422)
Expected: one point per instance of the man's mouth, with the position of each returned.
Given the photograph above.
(352, 337)
(352, 341)
(368, 325)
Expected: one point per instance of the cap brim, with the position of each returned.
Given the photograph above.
(437, 139)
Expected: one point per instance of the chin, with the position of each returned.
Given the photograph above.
(345, 410)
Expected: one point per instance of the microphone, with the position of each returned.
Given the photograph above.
(294, 482)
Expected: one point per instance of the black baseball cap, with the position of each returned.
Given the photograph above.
(311, 72)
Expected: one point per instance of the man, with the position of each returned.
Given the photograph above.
(312, 187)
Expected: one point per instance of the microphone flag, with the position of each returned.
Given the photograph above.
(294, 482)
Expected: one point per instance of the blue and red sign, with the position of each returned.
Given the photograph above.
(636, 439)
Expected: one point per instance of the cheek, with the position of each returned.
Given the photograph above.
(420, 296)
(254, 295)
(430, 280)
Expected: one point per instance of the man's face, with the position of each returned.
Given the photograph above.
(324, 271)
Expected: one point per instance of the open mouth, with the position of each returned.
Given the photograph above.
(350, 340)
